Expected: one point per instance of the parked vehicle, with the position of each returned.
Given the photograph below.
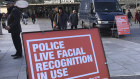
(99, 13)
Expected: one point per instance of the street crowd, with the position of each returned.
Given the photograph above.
(11, 22)
(60, 20)
(137, 17)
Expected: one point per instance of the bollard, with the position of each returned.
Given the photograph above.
(0, 29)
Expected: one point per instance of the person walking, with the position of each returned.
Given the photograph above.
(51, 16)
(0, 24)
(14, 27)
(129, 15)
(3, 20)
(136, 17)
(61, 19)
(25, 18)
(0, 16)
(33, 18)
(73, 19)
(139, 17)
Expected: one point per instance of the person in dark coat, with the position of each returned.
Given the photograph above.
(51, 16)
(25, 18)
(0, 16)
(61, 20)
(129, 15)
(139, 17)
(136, 16)
(3, 20)
(73, 19)
(33, 18)
(14, 27)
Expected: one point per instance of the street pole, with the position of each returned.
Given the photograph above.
(136, 4)
(60, 1)
(0, 23)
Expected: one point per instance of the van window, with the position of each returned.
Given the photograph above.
(107, 7)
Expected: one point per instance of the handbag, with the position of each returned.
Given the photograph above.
(69, 24)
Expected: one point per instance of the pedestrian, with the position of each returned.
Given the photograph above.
(73, 19)
(14, 27)
(51, 16)
(33, 18)
(139, 16)
(61, 19)
(28, 13)
(129, 15)
(136, 17)
(0, 16)
(3, 20)
(25, 18)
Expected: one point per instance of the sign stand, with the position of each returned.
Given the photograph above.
(26, 64)
(114, 30)
(65, 54)
(122, 26)
(27, 72)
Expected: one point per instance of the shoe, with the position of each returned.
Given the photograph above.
(16, 57)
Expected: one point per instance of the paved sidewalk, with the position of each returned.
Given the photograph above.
(13, 68)
(123, 56)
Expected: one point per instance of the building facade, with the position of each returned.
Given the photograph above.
(40, 5)
(71, 1)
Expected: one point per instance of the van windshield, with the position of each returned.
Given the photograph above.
(107, 7)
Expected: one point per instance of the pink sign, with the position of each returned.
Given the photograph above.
(122, 24)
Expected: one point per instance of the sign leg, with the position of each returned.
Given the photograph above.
(27, 72)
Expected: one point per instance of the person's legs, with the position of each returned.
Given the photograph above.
(52, 23)
(17, 43)
(64, 27)
(75, 26)
(135, 20)
(138, 21)
(59, 27)
(33, 20)
(71, 26)
(13, 39)
(129, 20)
